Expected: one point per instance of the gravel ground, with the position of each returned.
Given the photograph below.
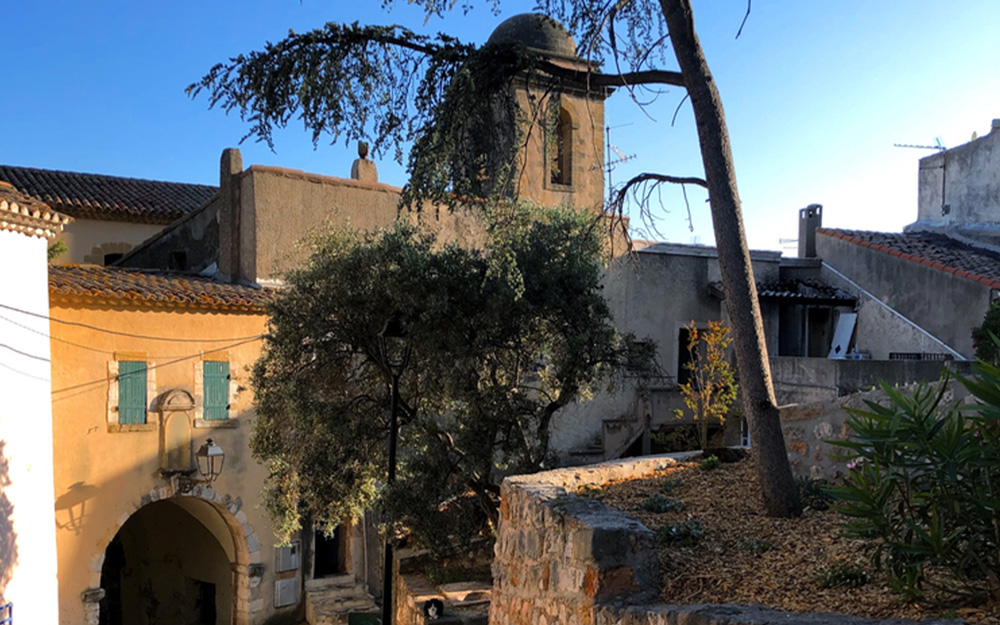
(745, 556)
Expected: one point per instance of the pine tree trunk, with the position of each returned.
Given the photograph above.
(773, 472)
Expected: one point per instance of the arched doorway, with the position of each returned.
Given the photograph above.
(173, 561)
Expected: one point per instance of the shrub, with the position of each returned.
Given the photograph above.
(710, 464)
(659, 504)
(670, 484)
(814, 493)
(757, 546)
(843, 574)
(683, 533)
(924, 485)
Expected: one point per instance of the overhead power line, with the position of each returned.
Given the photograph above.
(126, 334)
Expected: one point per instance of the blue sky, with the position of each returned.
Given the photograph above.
(816, 93)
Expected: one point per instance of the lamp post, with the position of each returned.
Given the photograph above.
(210, 458)
(394, 355)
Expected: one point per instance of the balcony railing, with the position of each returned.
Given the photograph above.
(7, 614)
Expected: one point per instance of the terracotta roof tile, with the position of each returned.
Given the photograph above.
(94, 196)
(21, 213)
(930, 249)
(148, 288)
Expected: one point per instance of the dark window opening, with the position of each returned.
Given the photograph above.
(178, 261)
(561, 152)
(114, 257)
(684, 356)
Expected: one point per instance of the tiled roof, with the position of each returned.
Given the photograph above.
(94, 196)
(813, 292)
(805, 291)
(20, 213)
(931, 249)
(152, 289)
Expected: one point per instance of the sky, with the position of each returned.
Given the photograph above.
(816, 95)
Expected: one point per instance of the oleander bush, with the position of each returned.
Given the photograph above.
(924, 485)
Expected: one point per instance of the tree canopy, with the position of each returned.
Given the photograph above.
(455, 102)
(500, 341)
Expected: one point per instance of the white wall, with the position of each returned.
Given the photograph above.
(27, 516)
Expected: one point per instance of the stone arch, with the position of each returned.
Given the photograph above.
(223, 517)
(560, 151)
(99, 252)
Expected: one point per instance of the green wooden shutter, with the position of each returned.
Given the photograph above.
(216, 390)
(131, 392)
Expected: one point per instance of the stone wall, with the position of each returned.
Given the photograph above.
(558, 556)
(808, 427)
(567, 559)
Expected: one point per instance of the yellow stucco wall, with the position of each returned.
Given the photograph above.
(103, 476)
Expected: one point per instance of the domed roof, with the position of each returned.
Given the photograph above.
(536, 31)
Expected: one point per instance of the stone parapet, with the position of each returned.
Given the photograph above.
(559, 555)
(566, 559)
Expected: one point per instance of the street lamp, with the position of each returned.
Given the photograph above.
(210, 458)
(394, 355)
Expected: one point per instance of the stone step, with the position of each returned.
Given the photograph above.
(330, 599)
(322, 583)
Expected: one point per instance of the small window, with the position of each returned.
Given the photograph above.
(110, 259)
(216, 377)
(131, 392)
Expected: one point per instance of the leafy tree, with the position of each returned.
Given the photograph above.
(499, 342)
(455, 102)
(986, 348)
(711, 387)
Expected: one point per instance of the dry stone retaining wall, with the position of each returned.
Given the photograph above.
(566, 559)
(557, 555)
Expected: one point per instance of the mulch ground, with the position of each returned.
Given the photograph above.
(748, 557)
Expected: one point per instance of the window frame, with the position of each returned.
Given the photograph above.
(202, 417)
(150, 421)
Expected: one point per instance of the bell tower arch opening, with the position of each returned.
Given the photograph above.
(561, 149)
(174, 561)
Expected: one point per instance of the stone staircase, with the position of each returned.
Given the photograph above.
(329, 600)
(615, 437)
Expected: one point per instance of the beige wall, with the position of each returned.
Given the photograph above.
(88, 240)
(278, 208)
(103, 475)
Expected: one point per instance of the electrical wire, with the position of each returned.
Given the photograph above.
(159, 365)
(19, 372)
(117, 333)
(26, 354)
(106, 351)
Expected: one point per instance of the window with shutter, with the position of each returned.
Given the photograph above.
(216, 378)
(131, 392)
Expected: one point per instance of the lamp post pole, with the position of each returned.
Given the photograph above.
(394, 329)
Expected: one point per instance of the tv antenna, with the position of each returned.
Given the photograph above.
(938, 145)
(620, 157)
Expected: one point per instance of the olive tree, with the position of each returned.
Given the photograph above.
(499, 342)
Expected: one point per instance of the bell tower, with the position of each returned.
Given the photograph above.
(562, 161)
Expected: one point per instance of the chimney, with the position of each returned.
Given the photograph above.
(810, 218)
(230, 168)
